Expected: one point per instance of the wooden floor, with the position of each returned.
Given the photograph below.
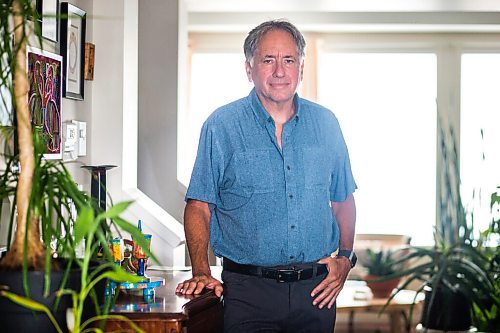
(366, 325)
(370, 323)
(362, 328)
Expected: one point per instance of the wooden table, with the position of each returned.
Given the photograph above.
(172, 313)
(398, 310)
(168, 312)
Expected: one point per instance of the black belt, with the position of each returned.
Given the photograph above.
(280, 273)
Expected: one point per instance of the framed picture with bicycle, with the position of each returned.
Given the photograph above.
(44, 98)
(72, 46)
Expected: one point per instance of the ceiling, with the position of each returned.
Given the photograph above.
(347, 15)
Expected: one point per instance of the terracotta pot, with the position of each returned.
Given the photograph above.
(382, 289)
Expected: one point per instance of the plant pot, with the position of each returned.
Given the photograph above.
(381, 289)
(450, 311)
(15, 318)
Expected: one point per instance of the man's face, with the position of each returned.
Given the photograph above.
(275, 68)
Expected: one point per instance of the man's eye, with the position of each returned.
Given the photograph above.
(289, 61)
(267, 61)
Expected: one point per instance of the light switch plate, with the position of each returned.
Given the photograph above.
(81, 137)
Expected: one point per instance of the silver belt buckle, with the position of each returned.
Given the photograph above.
(288, 275)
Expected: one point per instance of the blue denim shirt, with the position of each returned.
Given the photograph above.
(271, 206)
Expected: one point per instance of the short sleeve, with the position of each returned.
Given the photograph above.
(342, 180)
(207, 169)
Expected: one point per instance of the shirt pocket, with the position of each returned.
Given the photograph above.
(254, 170)
(248, 173)
(317, 171)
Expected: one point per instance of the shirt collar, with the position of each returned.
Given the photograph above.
(260, 112)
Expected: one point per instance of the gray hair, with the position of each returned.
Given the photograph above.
(255, 36)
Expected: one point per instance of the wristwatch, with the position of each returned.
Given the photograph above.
(349, 254)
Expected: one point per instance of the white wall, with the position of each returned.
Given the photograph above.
(158, 96)
(115, 114)
(110, 109)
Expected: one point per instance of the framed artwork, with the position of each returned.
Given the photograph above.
(44, 98)
(72, 46)
(48, 11)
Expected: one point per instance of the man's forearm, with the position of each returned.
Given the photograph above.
(345, 213)
(197, 229)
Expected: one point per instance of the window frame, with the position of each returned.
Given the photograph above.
(448, 48)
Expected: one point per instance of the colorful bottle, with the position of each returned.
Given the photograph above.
(140, 267)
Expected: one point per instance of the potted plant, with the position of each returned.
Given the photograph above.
(41, 269)
(456, 274)
(487, 318)
(381, 266)
(76, 320)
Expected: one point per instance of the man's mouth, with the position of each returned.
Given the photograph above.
(279, 84)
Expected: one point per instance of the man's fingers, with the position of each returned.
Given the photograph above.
(199, 287)
(196, 285)
(218, 290)
(323, 284)
(190, 287)
(332, 302)
(326, 292)
(327, 297)
(216, 286)
(323, 297)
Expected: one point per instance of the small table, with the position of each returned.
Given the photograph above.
(168, 312)
(421, 329)
(349, 302)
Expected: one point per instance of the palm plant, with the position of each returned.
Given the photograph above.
(86, 226)
(14, 79)
(43, 191)
(458, 266)
(380, 263)
(381, 266)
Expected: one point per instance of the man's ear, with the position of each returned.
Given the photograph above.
(302, 71)
(248, 69)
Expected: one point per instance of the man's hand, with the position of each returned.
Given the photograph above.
(197, 283)
(327, 291)
(197, 227)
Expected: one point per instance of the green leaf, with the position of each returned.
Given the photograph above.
(112, 317)
(114, 211)
(84, 224)
(119, 275)
(136, 234)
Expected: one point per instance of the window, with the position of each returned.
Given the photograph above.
(383, 88)
(480, 133)
(386, 107)
(215, 80)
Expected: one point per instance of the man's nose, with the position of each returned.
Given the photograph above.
(279, 69)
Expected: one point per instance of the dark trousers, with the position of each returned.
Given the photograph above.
(256, 304)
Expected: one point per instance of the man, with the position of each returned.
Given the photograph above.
(272, 190)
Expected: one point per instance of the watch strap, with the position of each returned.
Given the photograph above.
(349, 254)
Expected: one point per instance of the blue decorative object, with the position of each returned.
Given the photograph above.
(148, 286)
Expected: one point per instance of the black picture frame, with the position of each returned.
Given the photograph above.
(72, 47)
(48, 14)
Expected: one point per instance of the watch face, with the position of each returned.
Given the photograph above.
(354, 260)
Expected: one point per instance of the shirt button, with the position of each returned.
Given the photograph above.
(290, 196)
(293, 227)
(291, 257)
(288, 167)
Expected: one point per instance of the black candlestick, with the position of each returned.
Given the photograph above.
(98, 192)
(98, 183)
